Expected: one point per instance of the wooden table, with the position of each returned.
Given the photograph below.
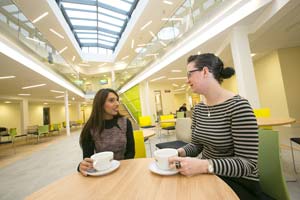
(262, 121)
(133, 180)
(148, 133)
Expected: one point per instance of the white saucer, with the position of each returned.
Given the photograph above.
(114, 165)
(153, 168)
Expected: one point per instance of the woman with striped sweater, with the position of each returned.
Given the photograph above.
(224, 130)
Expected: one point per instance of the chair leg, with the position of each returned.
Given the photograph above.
(293, 157)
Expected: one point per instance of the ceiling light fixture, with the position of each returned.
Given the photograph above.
(147, 24)
(57, 97)
(159, 78)
(177, 78)
(40, 17)
(140, 50)
(24, 94)
(176, 70)
(153, 35)
(125, 57)
(162, 43)
(168, 33)
(7, 77)
(152, 54)
(33, 86)
(73, 59)
(132, 44)
(168, 2)
(62, 50)
(253, 54)
(175, 85)
(35, 40)
(101, 65)
(56, 33)
(57, 91)
(7, 101)
(179, 89)
(172, 19)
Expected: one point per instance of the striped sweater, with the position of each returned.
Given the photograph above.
(226, 133)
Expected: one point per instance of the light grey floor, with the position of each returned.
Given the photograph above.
(25, 176)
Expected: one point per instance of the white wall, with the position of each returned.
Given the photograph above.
(10, 116)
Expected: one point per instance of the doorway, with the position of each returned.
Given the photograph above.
(46, 115)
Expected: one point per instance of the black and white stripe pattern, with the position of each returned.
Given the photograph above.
(229, 137)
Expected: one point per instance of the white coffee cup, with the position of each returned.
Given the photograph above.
(162, 157)
(102, 160)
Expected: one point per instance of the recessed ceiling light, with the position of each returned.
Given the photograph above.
(33, 86)
(24, 94)
(177, 78)
(125, 57)
(57, 91)
(62, 50)
(153, 35)
(168, 2)
(162, 43)
(175, 85)
(172, 19)
(7, 101)
(159, 78)
(7, 77)
(35, 40)
(73, 98)
(45, 103)
(176, 70)
(132, 44)
(147, 24)
(73, 59)
(57, 97)
(179, 89)
(56, 33)
(253, 54)
(40, 17)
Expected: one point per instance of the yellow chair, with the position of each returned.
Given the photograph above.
(145, 122)
(167, 125)
(263, 113)
(140, 150)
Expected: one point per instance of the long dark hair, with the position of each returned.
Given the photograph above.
(96, 121)
(214, 64)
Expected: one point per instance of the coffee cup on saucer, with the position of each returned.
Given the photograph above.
(162, 157)
(102, 160)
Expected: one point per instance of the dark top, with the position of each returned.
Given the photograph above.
(89, 149)
(182, 108)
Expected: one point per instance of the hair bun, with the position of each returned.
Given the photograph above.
(227, 72)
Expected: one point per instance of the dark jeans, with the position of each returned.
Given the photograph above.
(246, 189)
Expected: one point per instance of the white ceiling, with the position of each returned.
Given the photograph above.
(281, 31)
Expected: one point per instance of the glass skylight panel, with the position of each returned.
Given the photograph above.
(109, 27)
(97, 23)
(107, 38)
(81, 14)
(111, 13)
(88, 40)
(91, 36)
(10, 8)
(77, 22)
(29, 25)
(111, 20)
(79, 6)
(117, 4)
(106, 43)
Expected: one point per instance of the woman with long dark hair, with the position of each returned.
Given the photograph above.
(106, 130)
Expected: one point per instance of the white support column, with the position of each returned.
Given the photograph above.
(144, 98)
(113, 79)
(243, 66)
(78, 110)
(67, 113)
(24, 115)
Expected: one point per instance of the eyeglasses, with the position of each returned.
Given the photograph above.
(189, 73)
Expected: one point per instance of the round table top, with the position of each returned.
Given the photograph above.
(269, 121)
(134, 180)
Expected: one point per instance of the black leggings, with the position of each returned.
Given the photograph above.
(246, 189)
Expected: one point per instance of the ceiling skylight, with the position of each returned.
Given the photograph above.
(97, 23)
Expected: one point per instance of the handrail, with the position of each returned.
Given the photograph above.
(131, 115)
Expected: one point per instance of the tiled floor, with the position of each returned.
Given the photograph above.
(27, 170)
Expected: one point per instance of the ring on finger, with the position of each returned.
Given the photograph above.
(177, 164)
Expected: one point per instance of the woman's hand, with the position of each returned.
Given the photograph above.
(84, 165)
(189, 166)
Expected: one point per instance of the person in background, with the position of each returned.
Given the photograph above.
(224, 130)
(182, 108)
(106, 130)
